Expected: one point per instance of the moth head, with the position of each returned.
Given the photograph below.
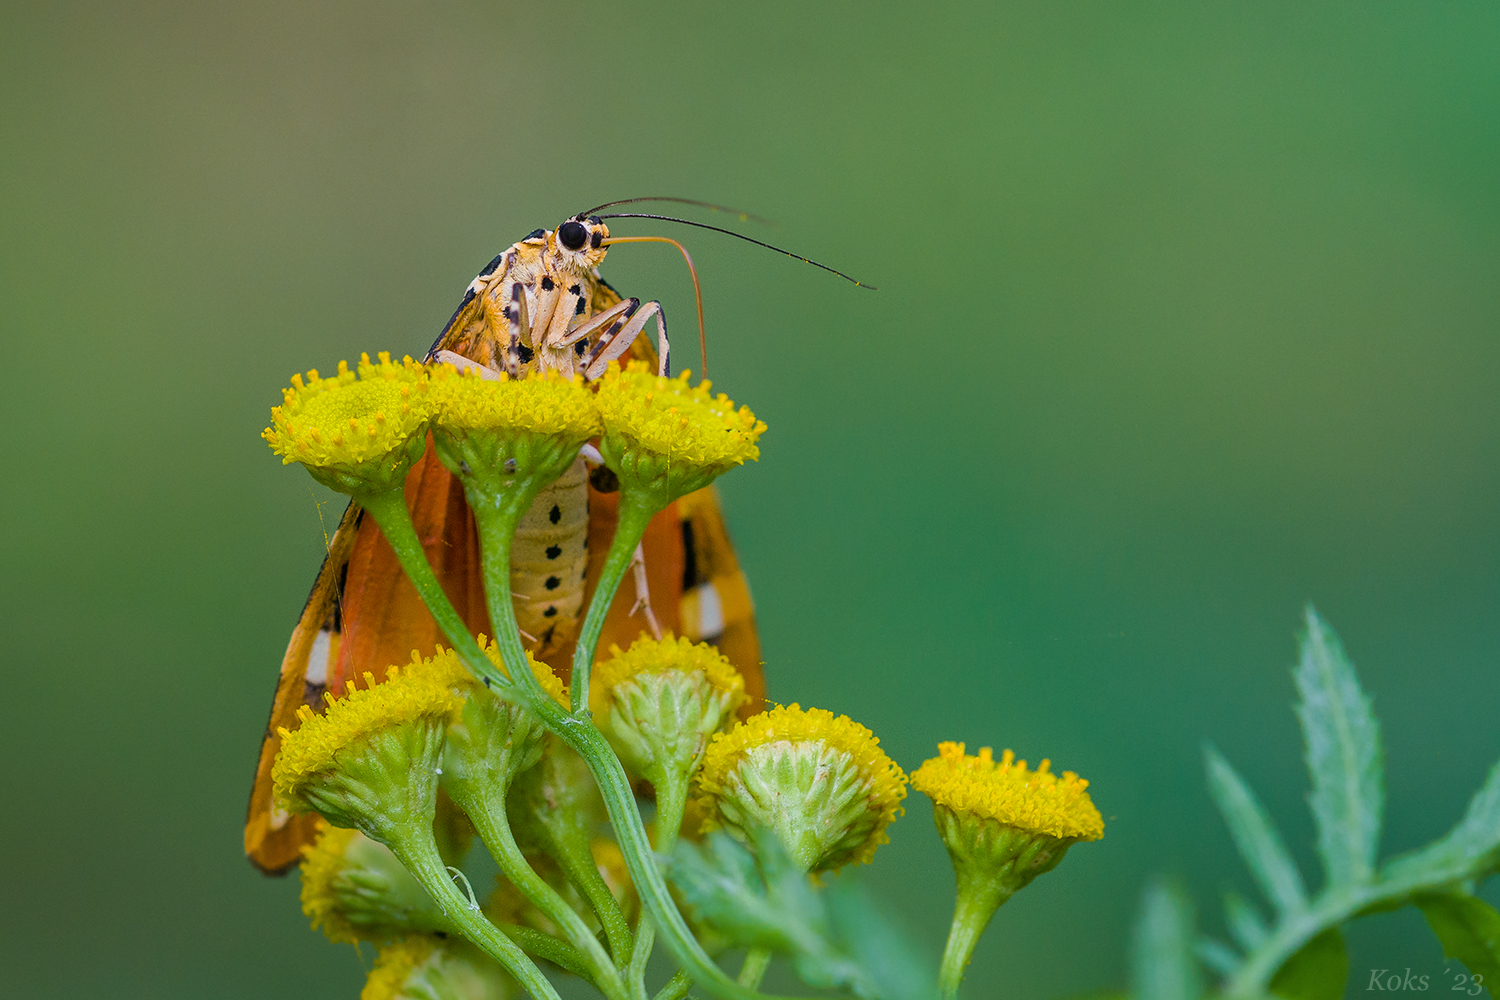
(580, 241)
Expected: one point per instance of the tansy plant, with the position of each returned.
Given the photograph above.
(481, 742)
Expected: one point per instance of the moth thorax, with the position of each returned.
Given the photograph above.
(548, 560)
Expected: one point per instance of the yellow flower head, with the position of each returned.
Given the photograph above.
(659, 656)
(1005, 791)
(448, 667)
(365, 428)
(674, 423)
(421, 690)
(834, 790)
(322, 863)
(394, 966)
(544, 403)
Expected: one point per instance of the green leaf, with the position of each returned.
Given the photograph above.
(1245, 924)
(1470, 851)
(1255, 835)
(1469, 929)
(835, 937)
(1343, 756)
(1164, 967)
(1317, 972)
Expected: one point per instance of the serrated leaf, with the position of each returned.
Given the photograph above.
(1163, 966)
(1469, 929)
(1318, 971)
(1255, 835)
(1471, 850)
(1245, 924)
(1344, 756)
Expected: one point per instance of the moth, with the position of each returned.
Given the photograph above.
(539, 304)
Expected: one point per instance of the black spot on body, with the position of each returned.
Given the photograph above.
(526, 353)
(596, 239)
(489, 268)
(555, 514)
(689, 557)
(575, 290)
(553, 551)
(553, 583)
(547, 636)
(551, 612)
(578, 309)
(580, 347)
(603, 479)
(537, 234)
(547, 283)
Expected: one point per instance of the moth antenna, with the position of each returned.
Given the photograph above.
(740, 236)
(697, 292)
(743, 215)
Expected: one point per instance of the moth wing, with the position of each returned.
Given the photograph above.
(363, 616)
(273, 840)
(714, 603)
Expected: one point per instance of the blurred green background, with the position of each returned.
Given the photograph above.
(1187, 314)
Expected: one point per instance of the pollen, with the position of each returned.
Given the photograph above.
(421, 690)
(668, 417)
(322, 863)
(544, 403)
(658, 656)
(394, 965)
(385, 398)
(1006, 791)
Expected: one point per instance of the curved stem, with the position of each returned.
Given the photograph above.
(757, 960)
(978, 898)
(390, 513)
(635, 513)
(489, 823)
(677, 987)
(671, 801)
(419, 854)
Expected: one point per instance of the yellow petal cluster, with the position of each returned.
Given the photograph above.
(348, 420)
(422, 690)
(394, 965)
(322, 862)
(542, 403)
(658, 656)
(448, 667)
(684, 423)
(1007, 792)
(791, 724)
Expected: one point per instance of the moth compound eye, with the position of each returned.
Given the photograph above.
(572, 235)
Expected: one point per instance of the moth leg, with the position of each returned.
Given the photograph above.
(597, 322)
(463, 364)
(516, 321)
(616, 341)
(643, 591)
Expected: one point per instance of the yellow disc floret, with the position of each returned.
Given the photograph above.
(419, 691)
(1006, 791)
(394, 966)
(345, 422)
(544, 403)
(657, 656)
(684, 423)
(447, 667)
(322, 863)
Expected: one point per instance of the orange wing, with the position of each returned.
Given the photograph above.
(364, 615)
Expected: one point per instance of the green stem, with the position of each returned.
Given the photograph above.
(489, 823)
(978, 898)
(757, 960)
(584, 737)
(542, 945)
(677, 987)
(420, 856)
(671, 801)
(635, 513)
(578, 864)
(390, 513)
(1330, 909)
